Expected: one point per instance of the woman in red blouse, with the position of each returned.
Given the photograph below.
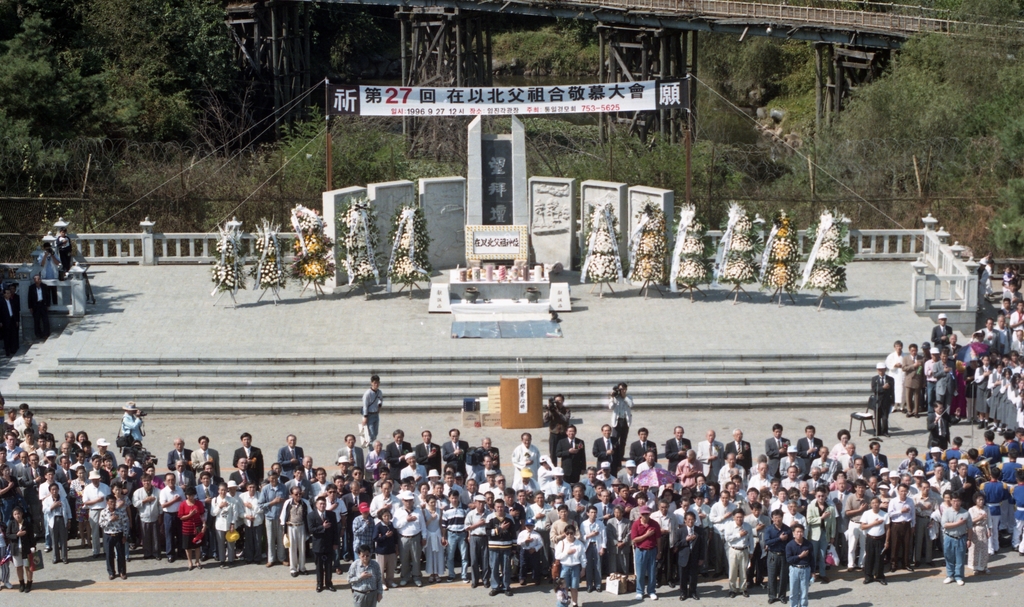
(193, 523)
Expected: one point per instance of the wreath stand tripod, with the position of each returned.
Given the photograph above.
(411, 286)
(779, 291)
(317, 289)
(690, 289)
(600, 289)
(648, 283)
(737, 289)
(234, 303)
(277, 296)
(821, 300)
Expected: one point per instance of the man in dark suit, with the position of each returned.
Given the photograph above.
(874, 461)
(882, 398)
(808, 446)
(639, 448)
(10, 317)
(690, 555)
(676, 448)
(39, 303)
(243, 476)
(184, 475)
(255, 457)
(289, 456)
(573, 455)
(961, 482)
(604, 450)
(179, 453)
(938, 427)
(428, 454)
(355, 454)
(775, 448)
(454, 451)
(941, 333)
(741, 448)
(396, 451)
(323, 531)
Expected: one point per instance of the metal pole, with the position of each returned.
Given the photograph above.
(817, 91)
(689, 166)
(327, 115)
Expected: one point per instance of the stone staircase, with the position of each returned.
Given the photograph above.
(335, 384)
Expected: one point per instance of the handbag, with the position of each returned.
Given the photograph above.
(37, 562)
(831, 556)
(122, 441)
(556, 569)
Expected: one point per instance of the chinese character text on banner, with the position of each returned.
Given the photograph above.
(499, 101)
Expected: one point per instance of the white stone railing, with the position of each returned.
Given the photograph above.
(879, 245)
(943, 282)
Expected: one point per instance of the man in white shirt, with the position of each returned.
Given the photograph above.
(525, 456)
(171, 497)
(56, 514)
(901, 520)
(531, 552)
(94, 497)
(409, 525)
(739, 537)
(760, 480)
(650, 463)
(720, 514)
(729, 470)
(146, 500)
(592, 534)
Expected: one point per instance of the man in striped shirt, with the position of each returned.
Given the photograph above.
(454, 536)
(501, 538)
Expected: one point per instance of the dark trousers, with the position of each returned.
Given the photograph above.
(253, 543)
(11, 343)
(621, 434)
(902, 545)
(478, 558)
(688, 578)
(778, 575)
(151, 540)
(114, 547)
(874, 568)
(41, 322)
(172, 533)
(553, 439)
(664, 571)
(758, 567)
(323, 569)
(882, 418)
(531, 561)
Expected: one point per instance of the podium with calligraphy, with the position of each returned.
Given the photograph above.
(522, 403)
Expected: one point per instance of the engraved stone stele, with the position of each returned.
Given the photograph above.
(443, 200)
(496, 176)
(333, 202)
(553, 220)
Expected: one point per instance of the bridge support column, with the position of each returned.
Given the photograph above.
(630, 54)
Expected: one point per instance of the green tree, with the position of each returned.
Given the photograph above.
(1008, 225)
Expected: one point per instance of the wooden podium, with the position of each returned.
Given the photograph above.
(513, 415)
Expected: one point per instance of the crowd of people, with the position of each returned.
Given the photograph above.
(628, 509)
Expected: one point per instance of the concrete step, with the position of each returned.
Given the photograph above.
(394, 371)
(453, 394)
(134, 361)
(211, 407)
(565, 382)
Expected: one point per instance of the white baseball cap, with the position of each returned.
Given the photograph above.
(942, 317)
(879, 365)
(557, 471)
(102, 442)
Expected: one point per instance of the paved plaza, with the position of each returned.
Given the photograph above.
(168, 311)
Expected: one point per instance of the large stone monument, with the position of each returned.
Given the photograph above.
(333, 202)
(386, 198)
(443, 200)
(640, 196)
(593, 193)
(496, 184)
(553, 220)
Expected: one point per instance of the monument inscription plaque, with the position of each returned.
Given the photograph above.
(498, 188)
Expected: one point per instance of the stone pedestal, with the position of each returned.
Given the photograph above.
(594, 193)
(443, 200)
(333, 201)
(148, 252)
(553, 220)
(496, 176)
(386, 198)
